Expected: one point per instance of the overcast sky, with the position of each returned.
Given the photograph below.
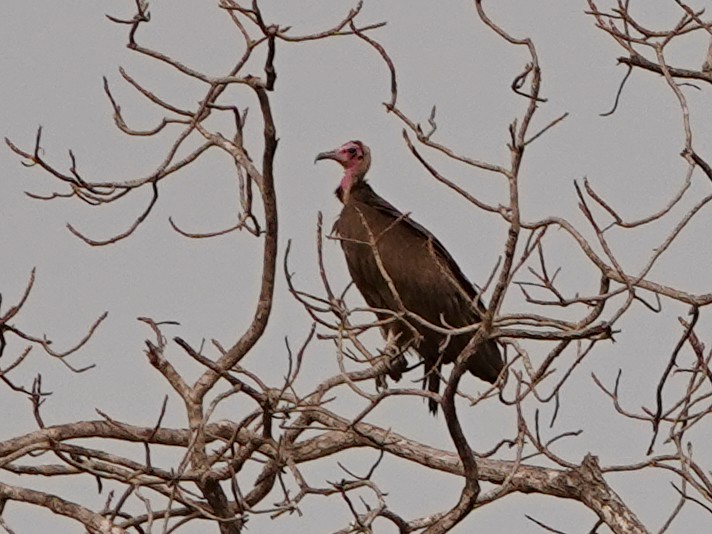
(54, 55)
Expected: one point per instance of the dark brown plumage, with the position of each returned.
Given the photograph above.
(426, 279)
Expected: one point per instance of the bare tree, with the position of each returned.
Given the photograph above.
(548, 333)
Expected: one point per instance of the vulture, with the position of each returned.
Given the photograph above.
(421, 277)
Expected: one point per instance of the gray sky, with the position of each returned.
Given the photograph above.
(53, 57)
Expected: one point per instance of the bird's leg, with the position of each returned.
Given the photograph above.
(397, 363)
(389, 352)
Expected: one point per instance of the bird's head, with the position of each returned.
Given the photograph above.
(355, 158)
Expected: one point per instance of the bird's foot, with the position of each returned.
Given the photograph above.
(395, 367)
(396, 364)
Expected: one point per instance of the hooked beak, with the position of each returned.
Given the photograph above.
(327, 155)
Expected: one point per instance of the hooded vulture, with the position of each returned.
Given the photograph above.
(399, 266)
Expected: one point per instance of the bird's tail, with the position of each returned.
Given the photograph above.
(487, 363)
(432, 378)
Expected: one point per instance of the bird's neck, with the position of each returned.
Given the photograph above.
(351, 180)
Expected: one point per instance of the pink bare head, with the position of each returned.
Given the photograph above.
(354, 157)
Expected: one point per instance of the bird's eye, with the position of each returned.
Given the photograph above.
(352, 151)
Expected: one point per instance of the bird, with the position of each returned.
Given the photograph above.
(399, 266)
